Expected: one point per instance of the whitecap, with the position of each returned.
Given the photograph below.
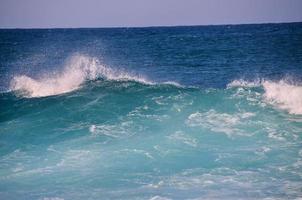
(284, 95)
(281, 94)
(77, 70)
(243, 83)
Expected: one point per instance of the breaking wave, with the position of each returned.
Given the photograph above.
(78, 70)
(282, 94)
(244, 83)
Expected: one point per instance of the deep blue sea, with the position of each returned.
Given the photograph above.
(200, 112)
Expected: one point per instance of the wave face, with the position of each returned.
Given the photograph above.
(77, 71)
(151, 113)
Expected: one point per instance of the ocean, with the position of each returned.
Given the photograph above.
(158, 113)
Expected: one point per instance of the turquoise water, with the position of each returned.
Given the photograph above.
(209, 112)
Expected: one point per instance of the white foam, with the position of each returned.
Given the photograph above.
(173, 83)
(244, 83)
(184, 138)
(78, 70)
(138, 151)
(118, 130)
(108, 130)
(159, 198)
(52, 198)
(219, 122)
(282, 94)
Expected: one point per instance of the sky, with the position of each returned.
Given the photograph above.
(138, 13)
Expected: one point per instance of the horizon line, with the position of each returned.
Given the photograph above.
(151, 26)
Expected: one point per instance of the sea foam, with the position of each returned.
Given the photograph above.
(76, 71)
(244, 83)
(282, 94)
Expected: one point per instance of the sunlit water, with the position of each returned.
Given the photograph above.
(211, 112)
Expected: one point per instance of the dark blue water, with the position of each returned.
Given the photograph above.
(203, 112)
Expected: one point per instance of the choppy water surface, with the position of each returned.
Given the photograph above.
(210, 112)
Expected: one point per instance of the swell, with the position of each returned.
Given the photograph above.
(78, 70)
(282, 94)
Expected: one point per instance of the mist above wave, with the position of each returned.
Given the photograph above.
(78, 70)
(282, 94)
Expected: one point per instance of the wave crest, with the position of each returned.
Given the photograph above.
(244, 83)
(78, 70)
(282, 94)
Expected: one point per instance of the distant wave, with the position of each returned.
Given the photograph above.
(78, 70)
(282, 94)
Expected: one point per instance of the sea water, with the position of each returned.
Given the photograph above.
(201, 112)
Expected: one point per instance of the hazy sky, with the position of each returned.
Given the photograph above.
(109, 13)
